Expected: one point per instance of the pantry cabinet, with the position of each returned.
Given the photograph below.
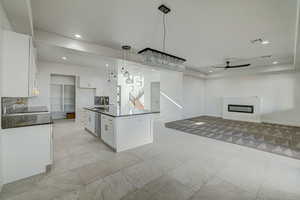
(18, 65)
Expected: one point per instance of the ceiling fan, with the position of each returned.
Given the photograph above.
(228, 66)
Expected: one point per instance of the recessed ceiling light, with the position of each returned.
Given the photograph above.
(106, 65)
(77, 36)
(275, 62)
(64, 58)
(199, 123)
(211, 71)
(260, 41)
(264, 42)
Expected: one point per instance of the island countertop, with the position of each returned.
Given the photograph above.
(113, 111)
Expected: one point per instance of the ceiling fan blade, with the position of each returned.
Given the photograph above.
(239, 66)
(219, 67)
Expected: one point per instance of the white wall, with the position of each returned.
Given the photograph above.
(193, 96)
(84, 97)
(62, 80)
(4, 24)
(171, 98)
(248, 117)
(171, 85)
(279, 93)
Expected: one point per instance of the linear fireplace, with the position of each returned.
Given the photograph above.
(241, 108)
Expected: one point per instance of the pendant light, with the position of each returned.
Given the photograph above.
(161, 57)
(124, 68)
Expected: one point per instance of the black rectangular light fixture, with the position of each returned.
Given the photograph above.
(160, 54)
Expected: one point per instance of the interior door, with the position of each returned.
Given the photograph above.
(69, 98)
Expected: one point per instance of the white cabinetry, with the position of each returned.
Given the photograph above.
(107, 130)
(134, 131)
(26, 151)
(91, 119)
(18, 65)
(123, 133)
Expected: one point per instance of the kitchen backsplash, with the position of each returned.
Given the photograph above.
(9, 103)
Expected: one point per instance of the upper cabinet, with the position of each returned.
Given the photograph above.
(19, 66)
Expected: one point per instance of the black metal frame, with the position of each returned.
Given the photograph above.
(160, 52)
(245, 106)
(163, 8)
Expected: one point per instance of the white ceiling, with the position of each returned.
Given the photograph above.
(205, 32)
(73, 57)
(18, 15)
(52, 53)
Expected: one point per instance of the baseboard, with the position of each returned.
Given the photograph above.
(281, 123)
(211, 115)
(264, 121)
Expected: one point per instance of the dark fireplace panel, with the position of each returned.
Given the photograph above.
(241, 108)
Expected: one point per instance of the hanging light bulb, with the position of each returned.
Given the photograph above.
(126, 74)
(129, 80)
(126, 52)
(111, 73)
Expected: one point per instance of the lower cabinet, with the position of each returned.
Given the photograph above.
(123, 133)
(90, 124)
(133, 131)
(26, 151)
(107, 130)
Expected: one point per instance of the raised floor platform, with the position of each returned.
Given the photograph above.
(273, 138)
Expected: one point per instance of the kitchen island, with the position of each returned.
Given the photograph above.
(123, 129)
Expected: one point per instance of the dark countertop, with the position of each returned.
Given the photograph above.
(30, 109)
(113, 111)
(25, 120)
(27, 116)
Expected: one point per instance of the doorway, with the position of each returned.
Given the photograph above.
(155, 96)
(62, 96)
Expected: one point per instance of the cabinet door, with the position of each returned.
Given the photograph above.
(91, 126)
(28, 156)
(88, 121)
(15, 68)
(83, 116)
(107, 130)
(92, 123)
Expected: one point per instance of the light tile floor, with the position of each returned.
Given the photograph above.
(177, 166)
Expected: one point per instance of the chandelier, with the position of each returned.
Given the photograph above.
(154, 56)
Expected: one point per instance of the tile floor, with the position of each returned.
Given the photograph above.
(177, 166)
